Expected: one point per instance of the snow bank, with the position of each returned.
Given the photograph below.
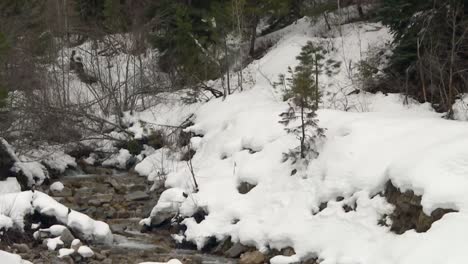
(16, 206)
(383, 140)
(172, 261)
(9, 258)
(10, 185)
(119, 160)
(158, 164)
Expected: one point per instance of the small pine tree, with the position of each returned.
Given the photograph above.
(301, 89)
(313, 55)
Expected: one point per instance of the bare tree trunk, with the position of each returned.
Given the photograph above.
(421, 72)
(226, 57)
(360, 10)
(253, 36)
(317, 97)
(302, 129)
(452, 61)
(238, 15)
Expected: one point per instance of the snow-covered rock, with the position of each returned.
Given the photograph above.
(16, 206)
(167, 207)
(65, 252)
(56, 187)
(85, 252)
(9, 258)
(119, 160)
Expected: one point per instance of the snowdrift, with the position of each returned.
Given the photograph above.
(241, 141)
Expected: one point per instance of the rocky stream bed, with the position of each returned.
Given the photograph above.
(121, 200)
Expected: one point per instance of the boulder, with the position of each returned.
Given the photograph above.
(236, 250)
(245, 187)
(408, 213)
(67, 238)
(7, 160)
(252, 257)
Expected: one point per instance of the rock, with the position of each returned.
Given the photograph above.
(107, 261)
(99, 256)
(67, 238)
(252, 257)
(85, 252)
(65, 192)
(136, 188)
(64, 260)
(408, 213)
(56, 187)
(21, 248)
(236, 250)
(94, 202)
(289, 251)
(106, 252)
(137, 196)
(245, 187)
(7, 160)
(75, 244)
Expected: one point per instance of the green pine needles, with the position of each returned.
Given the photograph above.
(303, 92)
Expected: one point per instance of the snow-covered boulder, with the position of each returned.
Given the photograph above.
(7, 159)
(9, 258)
(167, 207)
(122, 160)
(16, 206)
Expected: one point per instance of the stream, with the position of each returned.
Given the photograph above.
(121, 200)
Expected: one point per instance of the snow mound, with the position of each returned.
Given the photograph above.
(119, 160)
(10, 185)
(16, 206)
(56, 186)
(9, 258)
(85, 252)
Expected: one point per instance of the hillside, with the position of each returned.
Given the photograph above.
(307, 148)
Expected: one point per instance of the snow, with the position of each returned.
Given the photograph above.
(56, 186)
(10, 185)
(34, 171)
(172, 261)
(118, 160)
(156, 165)
(169, 202)
(65, 252)
(85, 252)
(52, 243)
(16, 206)
(376, 140)
(9, 258)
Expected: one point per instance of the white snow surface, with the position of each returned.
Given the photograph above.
(85, 251)
(56, 186)
(65, 252)
(119, 159)
(9, 258)
(15, 206)
(380, 140)
(10, 185)
(172, 261)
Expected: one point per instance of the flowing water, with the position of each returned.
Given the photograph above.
(121, 200)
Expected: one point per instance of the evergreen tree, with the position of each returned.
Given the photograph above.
(313, 55)
(301, 89)
(4, 47)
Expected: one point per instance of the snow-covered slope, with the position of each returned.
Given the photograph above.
(383, 140)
